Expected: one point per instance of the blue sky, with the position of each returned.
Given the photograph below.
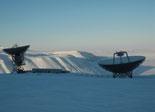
(78, 24)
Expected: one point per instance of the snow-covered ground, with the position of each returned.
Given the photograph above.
(75, 93)
(82, 90)
(73, 61)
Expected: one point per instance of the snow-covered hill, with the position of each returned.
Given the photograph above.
(73, 61)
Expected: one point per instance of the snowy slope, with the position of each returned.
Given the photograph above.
(148, 67)
(73, 61)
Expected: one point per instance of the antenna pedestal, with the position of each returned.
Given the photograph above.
(17, 54)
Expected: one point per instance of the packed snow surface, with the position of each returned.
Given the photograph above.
(76, 93)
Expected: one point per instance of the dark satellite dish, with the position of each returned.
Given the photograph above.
(17, 54)
(122, 65)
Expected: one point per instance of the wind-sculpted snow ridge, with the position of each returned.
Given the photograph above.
(73, 61)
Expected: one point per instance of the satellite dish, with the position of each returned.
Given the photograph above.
(122, 65)
(17, 54)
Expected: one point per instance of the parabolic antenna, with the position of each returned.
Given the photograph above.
(122, 65)
(17, 54)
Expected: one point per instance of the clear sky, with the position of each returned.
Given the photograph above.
(78, 24)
